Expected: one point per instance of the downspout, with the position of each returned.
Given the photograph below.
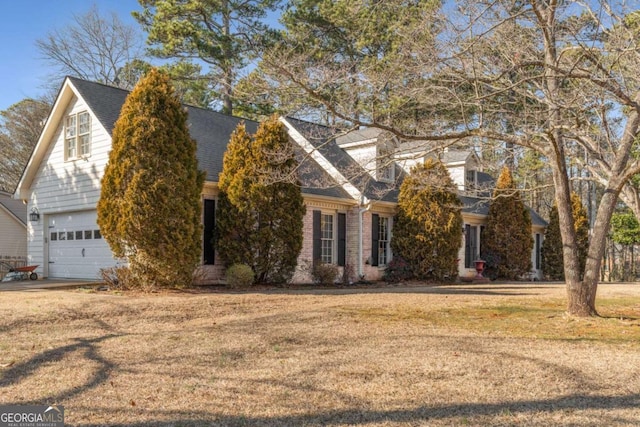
(365, 205)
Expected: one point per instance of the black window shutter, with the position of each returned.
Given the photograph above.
(342, 239)
(538, 246)
(209, 252)
(317, 235)
(375, 226)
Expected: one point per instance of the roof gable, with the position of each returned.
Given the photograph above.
(321, 144)
(66, 93)
(211, 131)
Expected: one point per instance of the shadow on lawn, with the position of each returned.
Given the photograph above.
(20, 371)
(571, 403)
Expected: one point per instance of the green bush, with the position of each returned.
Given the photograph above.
(239, 276)
(552, 256)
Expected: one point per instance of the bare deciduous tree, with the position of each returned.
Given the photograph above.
(93, 47)
(558, 77)
(20, 127)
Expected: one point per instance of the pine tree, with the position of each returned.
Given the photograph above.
(552, 257)
(261, 210)
(222, 34)
(507, 235)
(427, 229)
(149, 209)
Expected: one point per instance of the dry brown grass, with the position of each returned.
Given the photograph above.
(457, 355)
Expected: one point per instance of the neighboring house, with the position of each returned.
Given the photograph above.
(13, 227)
(349, 187)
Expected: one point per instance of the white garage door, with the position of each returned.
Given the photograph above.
(76, 247)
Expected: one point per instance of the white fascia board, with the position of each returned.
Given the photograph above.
(322, 161)
(23, 190)
(362, 143)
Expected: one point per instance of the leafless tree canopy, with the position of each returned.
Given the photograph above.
(557, 77)
(93, 47)
(20, 127)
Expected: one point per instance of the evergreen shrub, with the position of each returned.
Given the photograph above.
(239, 276)
(427, 229)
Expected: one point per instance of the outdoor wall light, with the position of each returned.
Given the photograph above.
(34, 215)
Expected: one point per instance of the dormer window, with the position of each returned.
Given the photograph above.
(471, 180)
(77, 136)
(385, 170)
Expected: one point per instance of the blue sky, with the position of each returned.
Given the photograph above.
(22, 22)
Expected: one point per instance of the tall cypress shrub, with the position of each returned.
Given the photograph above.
(507, 236)
(150, 204)
(277, 197)
(427, 230)
(235, 217)
(261, 210)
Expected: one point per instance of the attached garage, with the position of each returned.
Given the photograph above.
(76, 247)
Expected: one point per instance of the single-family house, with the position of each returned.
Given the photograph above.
(349, 184)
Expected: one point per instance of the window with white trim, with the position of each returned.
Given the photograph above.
(386, 165)
(77, 136)
(471, 179)
(384, 232)
(327, 238)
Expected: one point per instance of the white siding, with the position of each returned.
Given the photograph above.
(365, 156)
(458, 176)
(61, 186)
(71, 185)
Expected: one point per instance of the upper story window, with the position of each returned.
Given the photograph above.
(471, 180)
(385, 166)
(77, 135)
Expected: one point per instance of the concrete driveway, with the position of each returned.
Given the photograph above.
(39, 285)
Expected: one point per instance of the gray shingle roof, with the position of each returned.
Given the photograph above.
(480, 206)
(358, 135)
(210, 129)
(15, 206)
(323, 140)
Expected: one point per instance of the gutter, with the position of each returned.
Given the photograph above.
(365, 205)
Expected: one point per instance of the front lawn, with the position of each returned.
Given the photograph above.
(447, 355)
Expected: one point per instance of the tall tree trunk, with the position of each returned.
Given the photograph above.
(582, 299)
(578, 298)
(227, 66)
